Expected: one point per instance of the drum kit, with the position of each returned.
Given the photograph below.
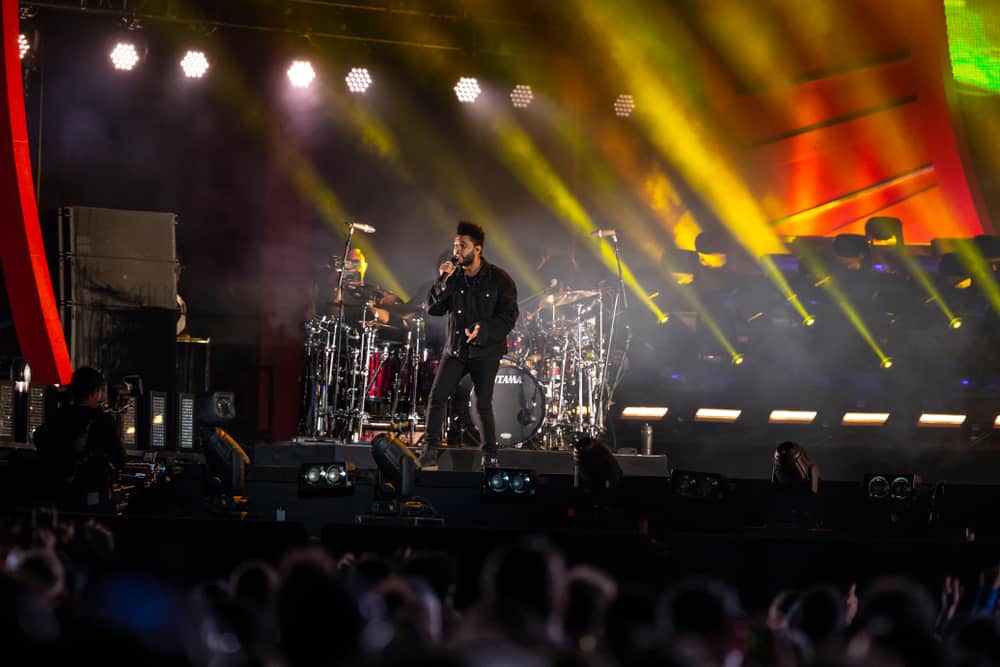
(368, 366)
(562, 369)
(362, 373)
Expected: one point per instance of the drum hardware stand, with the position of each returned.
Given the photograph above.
(621, 295)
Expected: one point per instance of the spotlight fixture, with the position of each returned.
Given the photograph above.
(644, 412)
(320, 478)
(521, 96)
(864, 419)
(397, 464)
(996, 422)
(941, 420)
(624, 106)
(663, 318)
(358, 80)
(505, 481)
(955, 323)
(698, 485)
(194, 64)
(887, 363)
(738, 359)
(881, 486)
(301, 73)
(125, 56)
(716, 415)
(809, 320)
(792, 417)
(23, 45)
(467, 90)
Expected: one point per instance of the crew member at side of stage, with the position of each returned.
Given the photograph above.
(480, 300)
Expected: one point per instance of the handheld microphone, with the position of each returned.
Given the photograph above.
(456, 260)
(602, 233)
(361, 227)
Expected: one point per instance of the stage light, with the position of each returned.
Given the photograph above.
(941, 420)
(20, 374)
(644, 412)
(698, 485)
(864, 419)
(955, 323)
(882, 486)
(809, 320)
(194, 64)
(396, 463)
(227, 461)
(509, 480)
(737, 359)
(624, 106)
(521, 96)
(185, 421)
(996, 422)
(716, 415)
(887, 363)
(467, 90)
(358, 80)
(663, 318)
(155, 424)
(23, 45)
(217, 408)
(301, 74)
(792, 417)
(320, 478)
(124, 56)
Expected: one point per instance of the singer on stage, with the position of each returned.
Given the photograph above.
(480, 300)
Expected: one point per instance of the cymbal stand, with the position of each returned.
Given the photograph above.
(359, 416)
(621, 297)
(418, 353)
(335, 351)
(579, 368)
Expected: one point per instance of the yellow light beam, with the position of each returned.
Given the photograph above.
(524, 159)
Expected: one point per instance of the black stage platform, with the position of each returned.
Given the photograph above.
(453, 496)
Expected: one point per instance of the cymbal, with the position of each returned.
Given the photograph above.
(402, 309)
(573, 296)
(371, 324)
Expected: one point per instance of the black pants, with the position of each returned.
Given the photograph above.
(449, 373)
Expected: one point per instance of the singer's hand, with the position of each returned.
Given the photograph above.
(471, 335)
(447, 269)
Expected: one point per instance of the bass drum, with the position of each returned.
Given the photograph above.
(518, 405)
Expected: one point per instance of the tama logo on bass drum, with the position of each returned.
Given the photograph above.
(509, 379)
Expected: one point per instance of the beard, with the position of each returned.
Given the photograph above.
(467, 260)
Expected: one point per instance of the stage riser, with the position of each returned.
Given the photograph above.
(458, 460)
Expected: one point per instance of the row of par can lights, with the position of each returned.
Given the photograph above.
(125, 56)
(802, 417)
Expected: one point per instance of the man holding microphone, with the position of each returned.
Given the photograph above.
(480, 300)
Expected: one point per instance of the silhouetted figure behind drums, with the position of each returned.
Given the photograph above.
(480, 300)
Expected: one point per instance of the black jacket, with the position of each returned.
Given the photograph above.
(489, 299)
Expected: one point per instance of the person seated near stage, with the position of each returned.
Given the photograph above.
(80, 446)
(795, 480)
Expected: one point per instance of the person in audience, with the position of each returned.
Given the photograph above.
(589, 593)
(704, 620)
(440, 571)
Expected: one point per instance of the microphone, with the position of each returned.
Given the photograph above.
(602, 233)
(361, 227)
(456, 260)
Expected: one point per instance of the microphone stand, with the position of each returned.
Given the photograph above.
(621, 296)
(338, 327)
